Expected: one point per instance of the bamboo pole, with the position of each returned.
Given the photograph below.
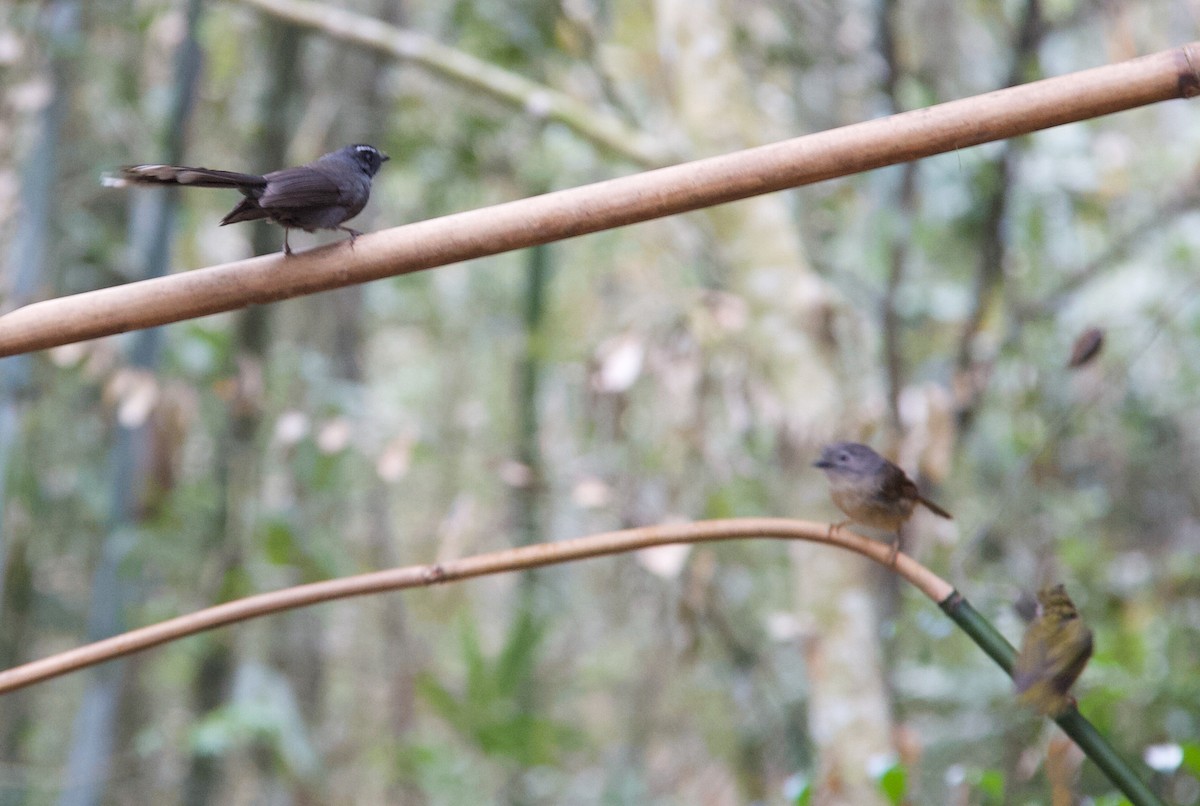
(613, 203)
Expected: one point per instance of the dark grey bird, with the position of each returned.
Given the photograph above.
(324, 194)
(871, 490)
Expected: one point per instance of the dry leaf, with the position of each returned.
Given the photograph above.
(1087, 346)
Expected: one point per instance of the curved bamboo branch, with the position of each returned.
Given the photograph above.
(604, 205)
(414, 576)
(475, 74)
(541, 554)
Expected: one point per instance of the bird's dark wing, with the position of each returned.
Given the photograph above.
(895, 484)
(246, 210)
(300, 187)
(1032, 663)
(1071, 654)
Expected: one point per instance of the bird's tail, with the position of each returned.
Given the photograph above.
(182, 175)
(935, 509)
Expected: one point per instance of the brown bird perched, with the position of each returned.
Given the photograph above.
(871, 490)
(1056, 647)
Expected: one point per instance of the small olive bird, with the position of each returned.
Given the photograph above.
(871, 490)
(1056, 647)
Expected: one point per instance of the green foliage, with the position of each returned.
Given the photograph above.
(511, 34)
(263, 716)
(1111, 799)
(284, 545)
(492, 712)
(740, 497)
(893, 782)
(1191, 757)
(443, 771)
(990, 784)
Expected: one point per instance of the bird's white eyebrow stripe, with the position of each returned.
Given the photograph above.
(364, 148)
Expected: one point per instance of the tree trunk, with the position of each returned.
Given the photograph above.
(791, 312)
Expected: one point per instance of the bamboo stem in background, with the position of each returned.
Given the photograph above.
(538, 101)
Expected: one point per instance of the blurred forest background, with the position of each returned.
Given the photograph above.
(677, 370)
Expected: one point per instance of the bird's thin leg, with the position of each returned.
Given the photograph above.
(287, 250)
(834, 527)
(353, 234)
(896, 546)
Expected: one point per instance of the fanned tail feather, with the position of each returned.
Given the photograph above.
(935, 509)
(183, 175)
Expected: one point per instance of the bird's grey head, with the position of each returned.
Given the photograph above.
(368, 157)
(848, 459)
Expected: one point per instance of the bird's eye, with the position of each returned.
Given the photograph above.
(843, 456)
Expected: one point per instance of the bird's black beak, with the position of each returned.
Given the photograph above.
(383, 157)
(821, 463)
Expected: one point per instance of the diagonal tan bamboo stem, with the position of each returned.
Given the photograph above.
(613, 203)
(414, 576)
